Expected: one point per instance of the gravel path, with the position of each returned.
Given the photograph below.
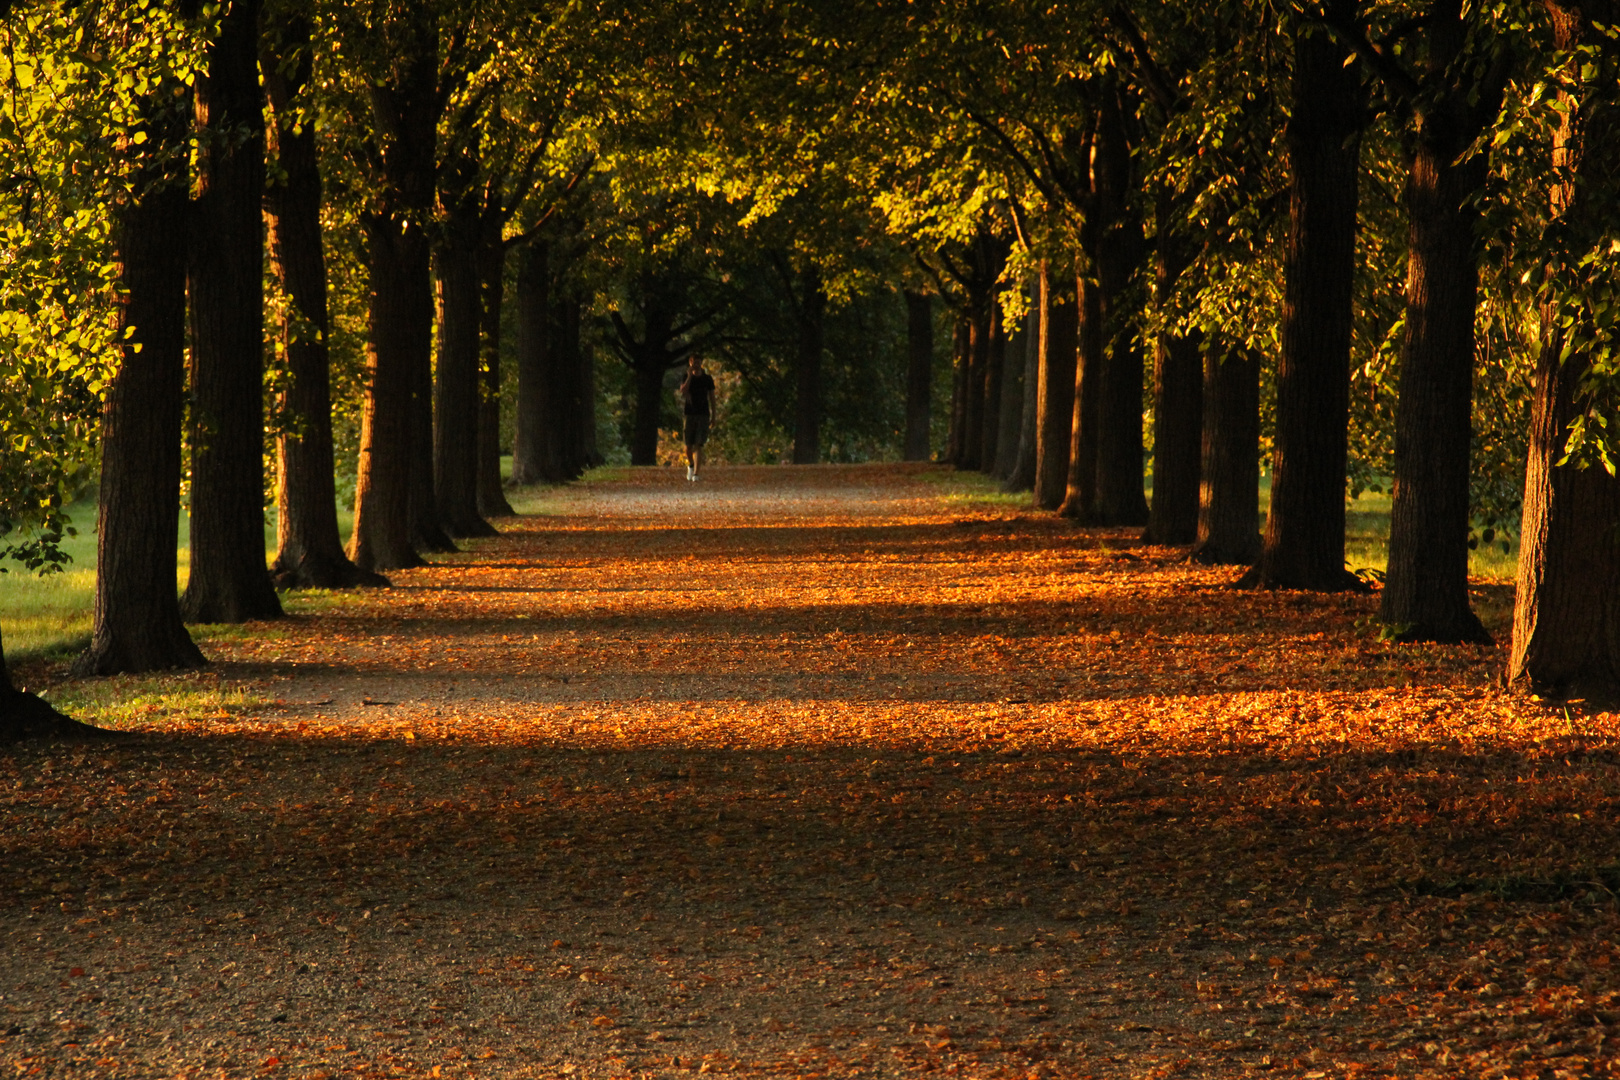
(803, 772)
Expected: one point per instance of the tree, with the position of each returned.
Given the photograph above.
(1452, 96)
(309, 550)
(1566, 621)
(919, 372)
(1304, 545)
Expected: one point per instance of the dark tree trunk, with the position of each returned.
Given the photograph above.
(309, 549)
(959, 368)
(1021, 477)
(995, 360)
(569, 402)
(1011, 400)
(1178, 404)
(395, 444)
(592, 455)
(229, 579)
(1080, 489)
(919, 373)
(1426, 588)
(137, 614)
(1055, 386)
(29, 716)
(1304, 545)
(1178, 423)
(973, 384)
(649, 380)
(807, 368)
(1229, 495)
(1566, 622)
(534, 307)
(427, 531)
(491, 274)
(1117, 247)
(455, 383)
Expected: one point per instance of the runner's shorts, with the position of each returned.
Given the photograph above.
(696, 431)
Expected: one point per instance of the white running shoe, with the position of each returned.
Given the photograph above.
(690, 475)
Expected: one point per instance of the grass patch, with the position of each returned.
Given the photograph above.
(319, 601)
(148, 701)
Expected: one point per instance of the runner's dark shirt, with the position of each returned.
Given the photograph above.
(699, 389)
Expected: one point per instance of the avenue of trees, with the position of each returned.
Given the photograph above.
(264, 252)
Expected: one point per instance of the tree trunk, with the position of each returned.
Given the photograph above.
(1055, 386)
(455, 382)
(587, 390)
(649, 381)
(1304, 545)
(1118, 249)
(309, 549)
(492, 279)
(995, 361)
(29, 716)
(137, 614)
(1011, 400)
(807, 367)
(1178, 406)
(534, 308)
(229, 581)
(427, 531)
(919, 373)
(569, 402)
(1426, 588)
(1080, 490)
(1566, 622)
(1021, 477)
(1229, 494)
(394, 442)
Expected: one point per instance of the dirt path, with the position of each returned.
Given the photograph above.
(805, 772)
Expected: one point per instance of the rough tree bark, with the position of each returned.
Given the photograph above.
(533, 308)
(1055, 385)
(954, 435)
(1117, 252)
(1426, 587)
(569, 402)
(812, 307)
(309, 549)
(405, 109)
(137, 614)
(1304, 544)
(1566, 619)
(919, 373)
(229, 580)
(1229, 492)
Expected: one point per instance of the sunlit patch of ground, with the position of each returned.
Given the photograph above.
(800, 772)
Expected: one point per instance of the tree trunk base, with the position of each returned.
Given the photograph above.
(432, 538)
(1343, 581)
(493, 504)
(471, 529)
(1174, 538)
(218, 606)
(110, 655)
(1460, 631)
(1212, 554)
(313, 573)
(29, 716)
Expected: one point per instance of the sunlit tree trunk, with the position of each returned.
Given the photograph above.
(137, 613)
(394, 442)
(919, 373)
(229, 580)
(309, 549)
(1566, 620)
(1304, 544)
(1080, 489)
(1055, 385)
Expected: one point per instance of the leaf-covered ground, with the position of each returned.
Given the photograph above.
(814, 772)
